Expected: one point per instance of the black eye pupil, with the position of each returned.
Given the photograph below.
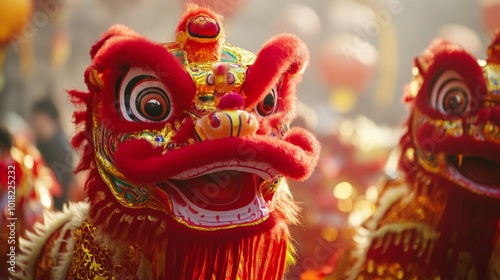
(153, 108)
(455, 102)
(268, 103)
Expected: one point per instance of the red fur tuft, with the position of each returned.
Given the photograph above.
(295, 159)
(83, 120)
(284, 56)
(114, 31)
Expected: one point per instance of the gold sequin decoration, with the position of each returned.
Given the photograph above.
(237, 59)
(491, 132)
(491, 73)
(436, 162)
(449, 128)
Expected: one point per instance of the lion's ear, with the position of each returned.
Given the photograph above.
(93, 76)
(283, 55)
(114, 31)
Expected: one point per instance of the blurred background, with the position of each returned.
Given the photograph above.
(361, 57)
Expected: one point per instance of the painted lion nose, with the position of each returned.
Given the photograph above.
(229, 119)
(226, 123)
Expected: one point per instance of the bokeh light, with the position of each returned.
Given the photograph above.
(330, 234)
(28, 161)
(345, 205)
(372, 193)
(343, 190)
(343, 100)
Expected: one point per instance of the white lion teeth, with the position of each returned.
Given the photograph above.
(193, 215)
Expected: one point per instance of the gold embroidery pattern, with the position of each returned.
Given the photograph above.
(93, 261)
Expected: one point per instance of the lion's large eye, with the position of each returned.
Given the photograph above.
(267, 106)
(450, 95)
(142, 97)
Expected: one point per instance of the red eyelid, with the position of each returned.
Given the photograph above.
(160, 63)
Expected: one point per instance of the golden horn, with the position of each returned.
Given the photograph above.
(95, 78)
(422, 65)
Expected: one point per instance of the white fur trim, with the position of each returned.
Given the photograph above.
(385, 202)
(70, 218)
(78, 215)
(426, 233)
(364, 236)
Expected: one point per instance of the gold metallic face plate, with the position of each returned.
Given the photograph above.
(236, 58)
(492, 76)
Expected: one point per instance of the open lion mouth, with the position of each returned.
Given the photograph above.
(218, 200)
(478, 170)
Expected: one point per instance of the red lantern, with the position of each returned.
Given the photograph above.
(490, 14)
(347, 61)
(345, 15)
(299, 19)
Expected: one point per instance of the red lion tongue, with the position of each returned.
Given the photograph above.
(219, 191)
(480, 170)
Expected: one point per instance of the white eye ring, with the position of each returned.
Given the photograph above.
(450, 95)
(142, 97)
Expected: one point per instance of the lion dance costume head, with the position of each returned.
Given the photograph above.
(439, 218)
(188, 146)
